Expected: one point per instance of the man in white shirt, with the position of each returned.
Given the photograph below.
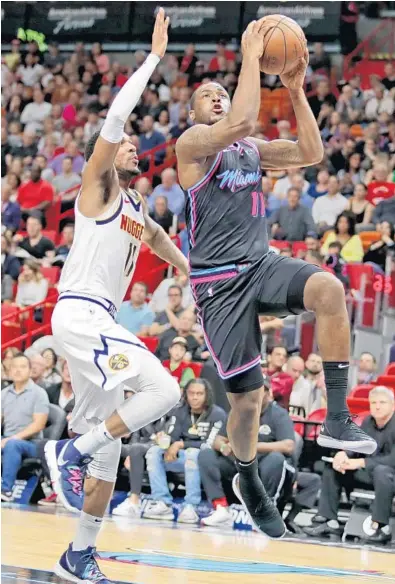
(36, 112)
(381, 102)
(31, 72)
(283, 185)
(327, 208)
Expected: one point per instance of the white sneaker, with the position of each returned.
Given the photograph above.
(159, 510)
(221, 516)
(188, 515)
(127, 509)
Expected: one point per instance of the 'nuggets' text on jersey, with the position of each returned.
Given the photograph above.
(225, 210)
(103, 256)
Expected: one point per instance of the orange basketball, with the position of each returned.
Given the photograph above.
(284, 43)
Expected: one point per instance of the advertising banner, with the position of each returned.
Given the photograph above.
(189, 20)
(318, 19)
(12, 18)
(99, 21)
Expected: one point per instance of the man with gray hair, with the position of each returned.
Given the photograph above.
(376, 471)
(170, 189)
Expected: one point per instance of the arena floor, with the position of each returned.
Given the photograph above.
(145, 552)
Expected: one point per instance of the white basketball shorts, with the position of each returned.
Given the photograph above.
(104, 358)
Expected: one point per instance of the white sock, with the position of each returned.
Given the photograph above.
(333, 523)
(93, 440)
(87, 531)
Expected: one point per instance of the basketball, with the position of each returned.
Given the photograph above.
(284, 44)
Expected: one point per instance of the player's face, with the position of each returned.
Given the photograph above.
(126, 158)
(212, 104)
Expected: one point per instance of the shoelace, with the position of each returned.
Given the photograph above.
(356, 429)
(92, 569)
(77, 476)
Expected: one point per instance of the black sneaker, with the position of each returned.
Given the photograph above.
(345, 435)
(322, 529)
(264, 515)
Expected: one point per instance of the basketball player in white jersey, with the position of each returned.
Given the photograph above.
(103, 357)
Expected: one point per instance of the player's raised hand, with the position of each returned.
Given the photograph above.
(159, 36)
(252, 40)
(294, 79)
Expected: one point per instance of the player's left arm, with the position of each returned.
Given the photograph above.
(157, 239)
(308, 149)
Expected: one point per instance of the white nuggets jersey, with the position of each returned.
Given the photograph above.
(103, 256)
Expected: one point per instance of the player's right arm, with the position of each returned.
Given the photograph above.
(99, 174)
(202, 141)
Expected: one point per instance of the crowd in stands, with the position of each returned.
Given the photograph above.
(52, 103)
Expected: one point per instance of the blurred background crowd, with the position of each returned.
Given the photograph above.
(339, 215)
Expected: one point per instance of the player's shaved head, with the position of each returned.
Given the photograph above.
(212, 85)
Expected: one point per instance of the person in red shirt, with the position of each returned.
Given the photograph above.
(281, 382)
(35, 195)
(379, 188)
(176, 364)
(222, 53)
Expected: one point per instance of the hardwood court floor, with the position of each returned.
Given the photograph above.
(145, 552)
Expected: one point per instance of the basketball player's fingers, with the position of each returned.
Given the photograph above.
(167, 22)
(159, 18)
(250, 28)
(257, 26)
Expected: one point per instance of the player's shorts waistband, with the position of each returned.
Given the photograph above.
(212, 274)
(103, 302)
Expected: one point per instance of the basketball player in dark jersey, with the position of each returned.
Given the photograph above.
(235, 277)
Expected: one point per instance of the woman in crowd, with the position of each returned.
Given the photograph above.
(321, 186)
(344, 233)
(353, 169)
(32, 286)
(163, 124)
(359, 206)
(51, 374)
(9, 354)
(377, 252)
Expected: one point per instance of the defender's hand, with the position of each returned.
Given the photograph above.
(252, 40)
(294, 79)
(159, 36)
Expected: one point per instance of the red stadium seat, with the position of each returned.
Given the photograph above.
(7, 310)
(316, 416)
(52, 274)
(9, 332)
(298, 425)
(279, 244)
(358, 404)
(298, 246)
(362, 390)
(50, 234)
(390, 370)
(150, 342)
(387, 380)
(196, 367)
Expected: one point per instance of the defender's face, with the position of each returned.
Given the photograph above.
(126, 158)
(212, 104)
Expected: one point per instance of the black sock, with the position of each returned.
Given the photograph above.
(336, 381)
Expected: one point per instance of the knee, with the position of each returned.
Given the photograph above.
(191, 458)
(137, 450)
(382, 475)
(172, 391)
(154, 456)
(246, 406)
(274, 460)
(324, 293)
(11, 447)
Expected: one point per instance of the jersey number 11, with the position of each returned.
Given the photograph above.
(130, 260)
